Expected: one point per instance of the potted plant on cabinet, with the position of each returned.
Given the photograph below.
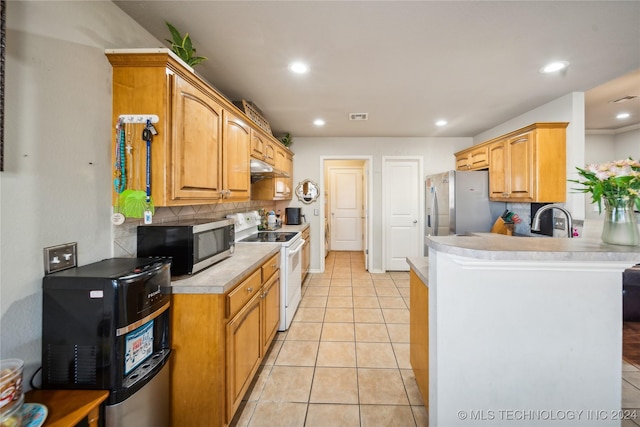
(183, 47)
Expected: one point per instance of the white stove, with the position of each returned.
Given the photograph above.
(246, 227)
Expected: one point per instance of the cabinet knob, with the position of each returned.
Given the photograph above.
(249, 289)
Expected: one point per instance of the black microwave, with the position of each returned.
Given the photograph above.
(192, 245)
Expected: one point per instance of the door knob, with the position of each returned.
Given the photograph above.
(415, 221)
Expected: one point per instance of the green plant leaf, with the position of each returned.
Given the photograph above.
(187, 44)
(183, 47)
(195, 60)
(175, 34)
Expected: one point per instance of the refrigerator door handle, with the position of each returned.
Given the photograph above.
(435, 212)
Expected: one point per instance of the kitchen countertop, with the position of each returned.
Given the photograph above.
(299, 227)
(492, 246)
(223, 276)
(498, 247)
(420, 265)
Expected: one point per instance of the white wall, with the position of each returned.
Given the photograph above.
(56, 187)
(437, 155)
(627, 144)
(601, 147)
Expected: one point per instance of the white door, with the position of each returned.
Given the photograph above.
(402, 198)
(346, 203)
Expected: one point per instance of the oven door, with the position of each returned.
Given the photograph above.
(292, 283)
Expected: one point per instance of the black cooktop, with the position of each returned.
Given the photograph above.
(270, 237)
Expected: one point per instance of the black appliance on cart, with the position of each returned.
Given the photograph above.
(106, 326)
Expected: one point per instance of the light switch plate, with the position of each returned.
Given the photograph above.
(61, 257)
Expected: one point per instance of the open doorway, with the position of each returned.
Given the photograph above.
(345, 205)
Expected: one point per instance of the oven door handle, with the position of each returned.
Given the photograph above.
(295, 250)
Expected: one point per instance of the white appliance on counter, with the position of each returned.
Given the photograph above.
(246, 225)
(457, 202)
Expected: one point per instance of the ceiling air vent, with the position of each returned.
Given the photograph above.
(358, 116)
(623, 99)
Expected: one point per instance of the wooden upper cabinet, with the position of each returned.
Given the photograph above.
(196, 172)
(497, 168)
(261, 147)
(521, 169)
(235, 159)
(257, 145)
(473, 158)
(202, 150)
(270, 153)
(279, 187)
(186, 153)
(529, 165)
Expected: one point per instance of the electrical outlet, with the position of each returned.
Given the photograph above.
(60, 257)
(558, 223)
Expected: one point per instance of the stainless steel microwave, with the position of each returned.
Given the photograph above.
(192, 245)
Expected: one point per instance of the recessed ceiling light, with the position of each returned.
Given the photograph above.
(318, 122)
(441, 123)
(623, 116)
(298, 67)
(554, 67)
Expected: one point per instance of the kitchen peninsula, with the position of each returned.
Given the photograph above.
(519, 330)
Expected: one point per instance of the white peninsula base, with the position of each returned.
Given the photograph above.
(523, 341)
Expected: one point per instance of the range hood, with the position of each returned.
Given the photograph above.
(260, 170)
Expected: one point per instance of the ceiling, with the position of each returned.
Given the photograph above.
(409, 63)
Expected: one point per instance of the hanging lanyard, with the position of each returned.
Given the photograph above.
(120, 180)
(147, 135)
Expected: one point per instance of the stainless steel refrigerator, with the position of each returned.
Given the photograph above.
(457, 202)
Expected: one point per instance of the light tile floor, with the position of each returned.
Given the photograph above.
(344, 362)
(630, 394)
(345, 359)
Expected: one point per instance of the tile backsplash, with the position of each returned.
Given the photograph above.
(124, 236)
(524, 227)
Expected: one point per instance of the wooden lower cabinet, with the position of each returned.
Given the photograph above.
(244, 351)
(270, 312)
(219, 341)
(419, 334)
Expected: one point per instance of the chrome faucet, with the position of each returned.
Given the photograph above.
(535, 222)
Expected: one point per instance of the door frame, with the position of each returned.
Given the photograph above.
(368, 196)
(421, 190)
